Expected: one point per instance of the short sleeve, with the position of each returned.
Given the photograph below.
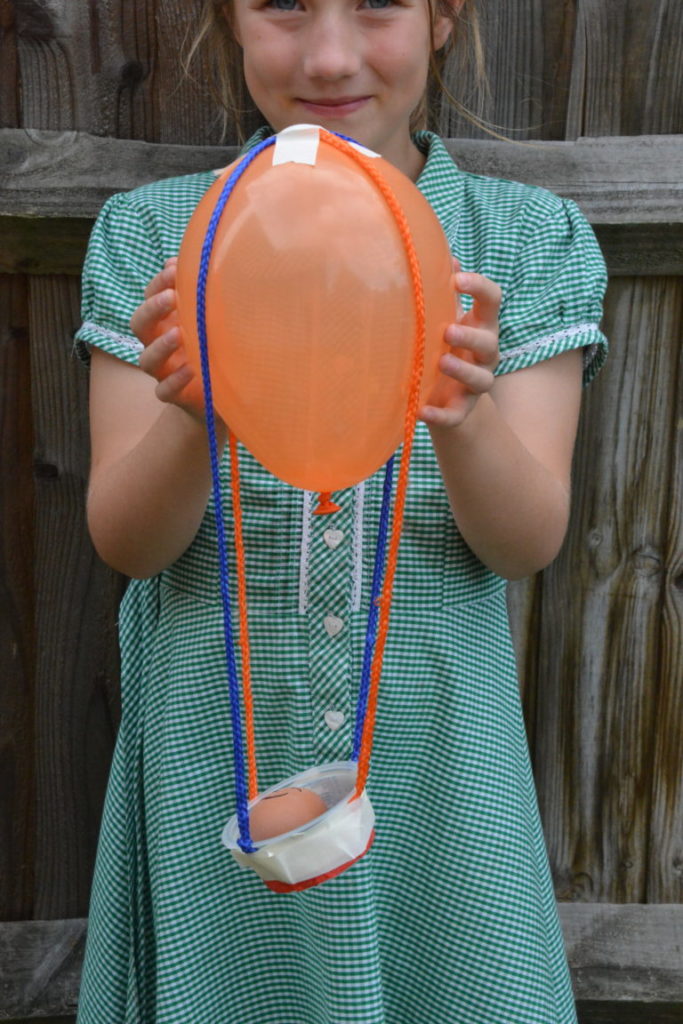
(553, 300)
(124, 253)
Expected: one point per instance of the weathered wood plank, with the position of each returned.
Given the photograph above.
(76, 598)
(43, 245)
(40, 967)
(9, 98)
(626, 71)
(620, 957)
(111, 69)
(620, 954)
(53, 183)
(17, 634)
(665, 849)
(598, 637)
(515, 47)
(615, 180)
(661, 91)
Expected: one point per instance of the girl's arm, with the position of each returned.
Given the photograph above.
(150, 478)
(505, 447)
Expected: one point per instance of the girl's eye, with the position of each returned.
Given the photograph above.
(379, 5)
(283, 5)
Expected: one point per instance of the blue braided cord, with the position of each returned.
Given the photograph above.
(241, 790)
(373, 614)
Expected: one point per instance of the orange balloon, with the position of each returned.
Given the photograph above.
(311, 312)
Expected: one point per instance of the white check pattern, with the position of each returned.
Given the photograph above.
(450, 919)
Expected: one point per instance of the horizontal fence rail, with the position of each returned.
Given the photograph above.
(626, 963)
(52, 184)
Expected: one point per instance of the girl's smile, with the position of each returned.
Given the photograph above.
(337, 107)
(357, 66)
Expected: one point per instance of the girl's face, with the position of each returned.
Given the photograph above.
(358, 67)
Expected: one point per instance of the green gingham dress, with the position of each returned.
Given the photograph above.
(450, 918)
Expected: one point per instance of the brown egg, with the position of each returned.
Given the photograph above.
(283, 811)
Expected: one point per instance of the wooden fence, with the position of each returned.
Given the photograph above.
(90, 103)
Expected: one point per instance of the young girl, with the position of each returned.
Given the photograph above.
(450, 918)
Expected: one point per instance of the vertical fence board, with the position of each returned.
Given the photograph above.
(17, 637)
(515, 66)
(659, 98)
(131, 86)
(626, 75)
(665, 876)
(75, 601)
(598, 636)
(9, 94)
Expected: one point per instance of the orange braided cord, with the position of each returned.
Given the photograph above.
(244, 623)
(409, 430)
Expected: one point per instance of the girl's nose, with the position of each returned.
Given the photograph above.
(332, 50)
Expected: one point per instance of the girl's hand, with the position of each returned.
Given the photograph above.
(155, 323)
(475, 334)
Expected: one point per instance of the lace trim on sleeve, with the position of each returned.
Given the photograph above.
(550, 340)
(126, 340)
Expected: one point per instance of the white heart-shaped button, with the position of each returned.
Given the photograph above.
(333, 625)
(333, 538)
(335, 719)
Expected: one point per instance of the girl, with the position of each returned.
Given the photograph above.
(450, 919)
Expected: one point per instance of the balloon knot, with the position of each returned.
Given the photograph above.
(325, 504)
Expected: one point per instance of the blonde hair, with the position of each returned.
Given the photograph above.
(215, 46)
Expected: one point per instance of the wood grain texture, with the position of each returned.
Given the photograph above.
(40, 968)
(51, 183)
(17, 633)
(598, 640)
(112, 69)
(626, 71)
(76, 598)
(620, 957)
(43, 245)
(520, 45)
(616, 181)
(665, 848)
(9, 94)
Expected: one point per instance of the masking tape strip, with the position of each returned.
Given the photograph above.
(297, 144)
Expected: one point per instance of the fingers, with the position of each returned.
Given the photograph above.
(156, 359)
(475, 344)
(486, 297)
(475, 378)
(470, 363)
(164, 279)
(172, 387)
(147, 322)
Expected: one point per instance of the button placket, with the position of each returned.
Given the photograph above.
(329, 589)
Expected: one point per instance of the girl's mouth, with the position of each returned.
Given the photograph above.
(339, 106)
